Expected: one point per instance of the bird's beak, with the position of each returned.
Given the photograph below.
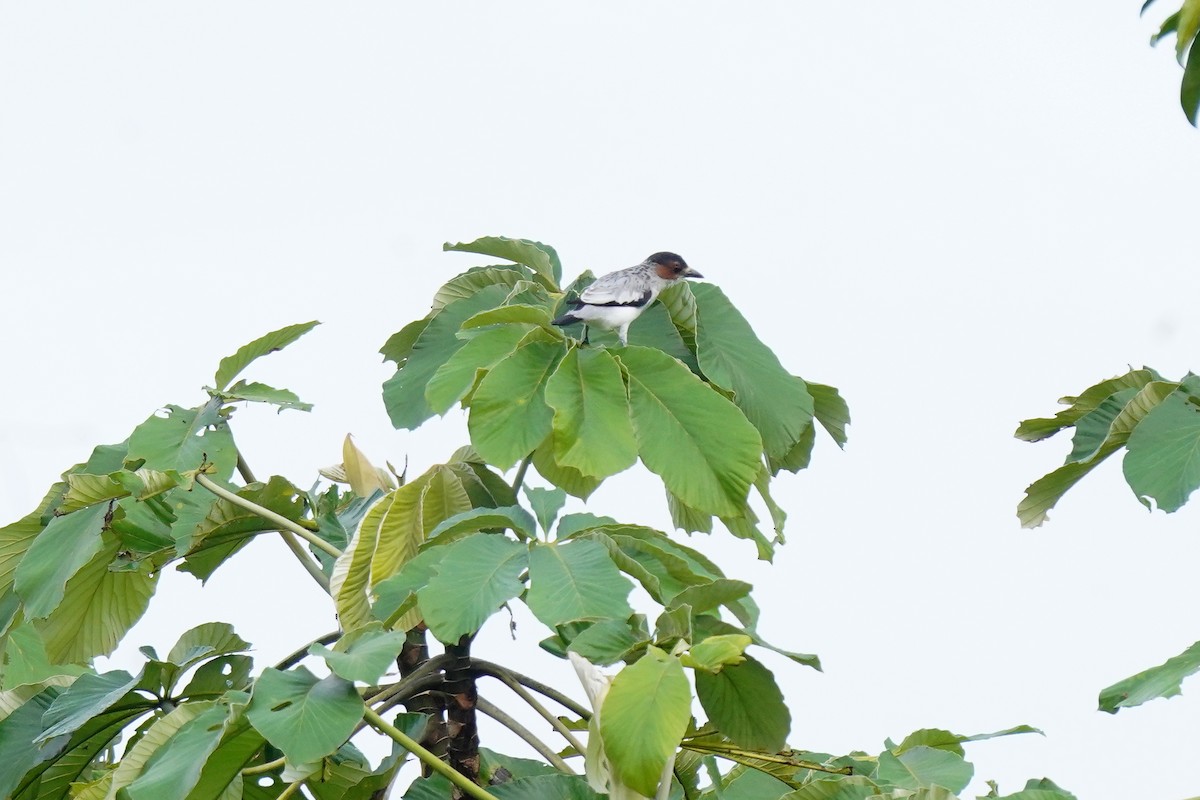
(691, 273)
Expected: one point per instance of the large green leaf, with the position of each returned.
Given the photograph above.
(1042, 494)
(732, 356)
(575, 580)
(608, 641)
(475, 577)
(176, 765)
(184, 440)
(475, 279)
(15, 540)
(592, 430)
(1161, 681)
(922, 767)
(261, 393)
(275, 340)
(1034, 430)
(455, 378)
(1091, 430)
(644, 717)
(98, 607)
(514, 518)
(363, 655)
(745, 704)
(225, 527)
(546, 503)
(26, 664)
(63, 548)
(87, 697)
(304, 717)
(945, 740)
(1163, 459)
(569, 479)
(404, 392)
(1189, 88)
(702, 446)
(509, 415)
(852, 788)
(830, 410)
(546, 787)
(157, 735)
(541, 258)
(17, 734)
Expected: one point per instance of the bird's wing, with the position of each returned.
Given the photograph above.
(617, 290)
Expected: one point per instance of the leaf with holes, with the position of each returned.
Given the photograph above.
(304, 717)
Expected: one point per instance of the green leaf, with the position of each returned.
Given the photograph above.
(475, 577)
(17, 734)
(64, 547)
(304, 717)
(546, 504)
(707, 596)
(226, 528)
(97, 608)
(454, 379)
(261, 393)
(275, 340)
(745, 704)
(15, 540)
(732, 356)
(404, 392)
(708, 625)
(575, 580)
(714, 653)
(945, 740)
(177, 764)
(509, 416)
(363, 655)
(1091, 430)
(184, 440)
(571, 524)
(90, 695)
(400, 344)
(546, 787)
(569, 479)
(205, 641)
(476, 279)
(592, 430)
(830, 410)
(1189, 87)
(513, 518)
(643, 718)
(541, 258)
(1161, 681)
(215, 677)
(1034, 430)
(1163, 459)
(1042, 494)
(26, 663)
(1186, 27)
(923, 767)
(852, 788)
(608, 641)
(522, 315)
(704, 449)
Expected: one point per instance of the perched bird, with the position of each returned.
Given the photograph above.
(615, 300)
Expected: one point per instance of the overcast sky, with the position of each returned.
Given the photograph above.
(955, 212)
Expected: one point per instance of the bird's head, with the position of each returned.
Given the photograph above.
(671, 267)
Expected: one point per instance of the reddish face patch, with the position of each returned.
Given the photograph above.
(669, 271)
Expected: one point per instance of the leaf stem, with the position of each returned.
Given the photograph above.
(521, 470)
(520, 730)
(267, 767)
(269, 515)
(497, 671)
(436, 764)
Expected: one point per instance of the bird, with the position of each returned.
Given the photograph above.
(615, 300)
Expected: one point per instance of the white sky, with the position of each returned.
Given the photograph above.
(955, 212)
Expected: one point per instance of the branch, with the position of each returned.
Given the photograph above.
(511, 682)
(298, 655)
(497, 671)
(436, 764)
(270, 516)
(520, 730)
(267, 767)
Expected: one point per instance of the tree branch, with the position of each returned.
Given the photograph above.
(521, 470)
(520, 730)
(436, 764)
(298, 655)
(497, 671)
(543, 712)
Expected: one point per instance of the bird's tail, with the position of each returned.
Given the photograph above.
(566, 319)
